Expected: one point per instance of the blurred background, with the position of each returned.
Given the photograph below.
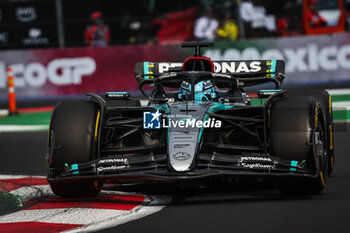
(62, 23)
(62, 47)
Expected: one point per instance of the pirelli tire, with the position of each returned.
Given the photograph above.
(72, 139)
(325, 101)
(326, 104)
(296, 127)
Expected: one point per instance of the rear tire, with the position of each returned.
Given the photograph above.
(72, 140)
(294, 122)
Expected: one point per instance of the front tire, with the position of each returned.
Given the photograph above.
(326, 105)
(325, 101)
(297, 133)
(72, 139)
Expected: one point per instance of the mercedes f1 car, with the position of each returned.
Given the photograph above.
(195, 124)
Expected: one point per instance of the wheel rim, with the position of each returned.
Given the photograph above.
(321, 153)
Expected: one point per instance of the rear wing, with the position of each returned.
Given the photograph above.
(241, 69)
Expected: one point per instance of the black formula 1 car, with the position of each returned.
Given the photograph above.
(195, 124)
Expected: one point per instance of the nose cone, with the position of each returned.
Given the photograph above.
(182, 150)
(184, 134)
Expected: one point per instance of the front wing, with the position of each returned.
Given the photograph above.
(124, 169)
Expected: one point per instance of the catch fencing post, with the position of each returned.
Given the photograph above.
(11, 92)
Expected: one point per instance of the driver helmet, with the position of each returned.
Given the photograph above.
(204, 91)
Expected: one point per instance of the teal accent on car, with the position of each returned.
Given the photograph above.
(274, 90)
(294, 163)
(215, 107)
(75, 167)
(273, 68)
(146, 69)
(118, 92)
(164, 108)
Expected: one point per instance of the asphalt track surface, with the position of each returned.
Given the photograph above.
(239, 211)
